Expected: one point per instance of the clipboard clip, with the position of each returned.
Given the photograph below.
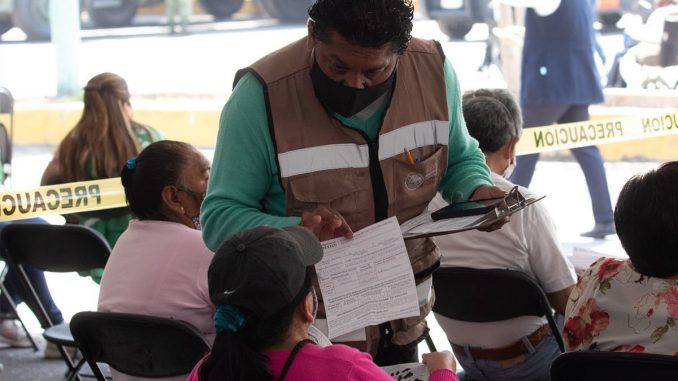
(513, 201)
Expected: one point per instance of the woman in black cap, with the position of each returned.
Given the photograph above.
(260, 281)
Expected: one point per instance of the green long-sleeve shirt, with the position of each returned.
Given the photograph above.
(244, 190)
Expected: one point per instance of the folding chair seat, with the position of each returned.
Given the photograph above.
(56, 248)
(604, 366)
(475, 295)
(138, 345)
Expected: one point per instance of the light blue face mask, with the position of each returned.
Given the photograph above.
(509, 169)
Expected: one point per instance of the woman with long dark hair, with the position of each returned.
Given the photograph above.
(260, 280)
(97, 148)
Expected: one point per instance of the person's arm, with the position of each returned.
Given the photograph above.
(364, 369)
(466, 167)
(243, 169)
(552, 269)
(541, 7)
(558, 299)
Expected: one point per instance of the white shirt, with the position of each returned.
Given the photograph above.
(527, 243)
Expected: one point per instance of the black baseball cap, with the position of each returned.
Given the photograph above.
(262, 270)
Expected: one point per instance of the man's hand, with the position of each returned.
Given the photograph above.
(484, 192)
(326, 224)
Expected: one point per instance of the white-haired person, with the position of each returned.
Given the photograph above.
(521, 348)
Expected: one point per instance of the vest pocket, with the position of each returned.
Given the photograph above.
(346, 191)
(414, 185)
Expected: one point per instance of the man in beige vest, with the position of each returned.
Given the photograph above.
(355, 123)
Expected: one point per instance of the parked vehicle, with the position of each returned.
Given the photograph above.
(287, 10)
(32, 16)
(610, 11)
(456, 17)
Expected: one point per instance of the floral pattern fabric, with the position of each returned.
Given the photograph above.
(615, 308)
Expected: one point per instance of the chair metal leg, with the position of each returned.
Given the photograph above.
(73, 371)
(429, 342)
(4, 293)
(96, 372)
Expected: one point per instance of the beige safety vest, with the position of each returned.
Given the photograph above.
(325, 163)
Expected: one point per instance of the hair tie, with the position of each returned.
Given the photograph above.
(229, 317)
(131, 164)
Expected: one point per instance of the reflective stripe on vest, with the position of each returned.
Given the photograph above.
(335, 156)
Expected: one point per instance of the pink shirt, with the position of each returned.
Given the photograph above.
(332, 363)
(159, 268)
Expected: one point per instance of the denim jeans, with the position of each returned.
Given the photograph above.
(536, 366)
(16, 290)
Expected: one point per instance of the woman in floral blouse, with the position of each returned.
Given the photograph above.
(632, 305)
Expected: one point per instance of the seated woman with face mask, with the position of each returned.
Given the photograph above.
(260, 280)
(158, 265)
(527, 243)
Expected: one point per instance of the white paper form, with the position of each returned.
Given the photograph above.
(366, 280)
(424, 224)
(408, 372)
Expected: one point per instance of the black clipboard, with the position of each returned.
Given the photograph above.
(425, 226)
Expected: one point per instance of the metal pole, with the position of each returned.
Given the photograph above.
(65, 28)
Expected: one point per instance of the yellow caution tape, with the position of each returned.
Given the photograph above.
(595, 132)
(86, 196)
(82, 196)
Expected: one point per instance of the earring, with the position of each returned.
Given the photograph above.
(182, 210)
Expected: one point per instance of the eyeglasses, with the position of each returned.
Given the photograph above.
(198, 195)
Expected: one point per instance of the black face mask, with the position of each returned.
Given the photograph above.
(343, 100)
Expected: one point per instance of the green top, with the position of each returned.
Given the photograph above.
(244, 190)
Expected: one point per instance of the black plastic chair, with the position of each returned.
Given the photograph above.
(6, 107)
(55, 248)
(609, 366)
(138, 345)
(479, 296)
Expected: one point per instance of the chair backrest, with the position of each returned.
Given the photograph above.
(476, 295)
(56, 248)
(5, 146)
(6, 107)
(6, 101)
(603, 366)
(138, 345)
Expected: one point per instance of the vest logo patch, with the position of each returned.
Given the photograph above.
(414, 180)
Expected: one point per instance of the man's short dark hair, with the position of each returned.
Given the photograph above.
(492, 117)
(367, 23)
(646, 218)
